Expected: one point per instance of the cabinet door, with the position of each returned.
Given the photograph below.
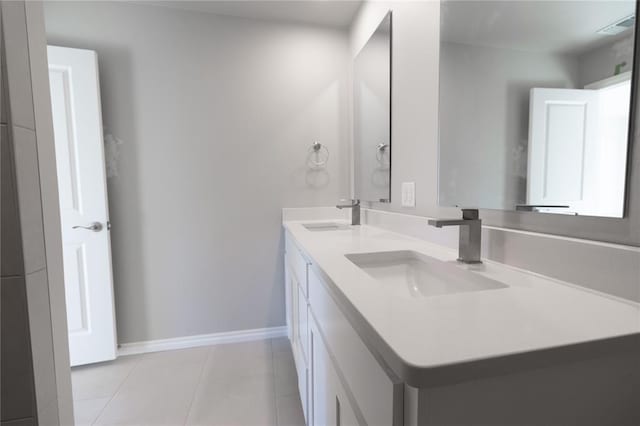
(303, 345)
(370, 389)
(288, 299)
(329, 404)
(303, 324)
(322, 393)
(294, 317)
(345, 414)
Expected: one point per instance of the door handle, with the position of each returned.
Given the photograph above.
(95, 227)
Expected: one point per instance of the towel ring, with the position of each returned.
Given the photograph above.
(318, 155)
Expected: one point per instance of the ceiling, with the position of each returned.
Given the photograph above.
(543, 26)
(331, 13)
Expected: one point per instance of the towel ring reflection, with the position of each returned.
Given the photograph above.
(381, 149)
(318, 155)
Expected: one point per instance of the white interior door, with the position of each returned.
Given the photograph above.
(563, 144)
(77, 123)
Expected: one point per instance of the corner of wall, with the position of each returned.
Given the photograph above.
(37, 43)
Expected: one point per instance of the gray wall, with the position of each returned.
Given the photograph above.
(484, 121)
(600, 63)
(416, 39)
(214, 116)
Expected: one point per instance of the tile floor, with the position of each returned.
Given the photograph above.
(251, 384)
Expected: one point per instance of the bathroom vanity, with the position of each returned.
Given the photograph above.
(391, 330)
(387, 329)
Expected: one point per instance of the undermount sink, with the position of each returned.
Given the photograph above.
(419, 275)
(325, 226)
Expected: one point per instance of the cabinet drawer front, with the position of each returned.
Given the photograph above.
(298, 264)
(370, 386)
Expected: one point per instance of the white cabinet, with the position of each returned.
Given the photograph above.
(329, 399)
(303, 364)
(300, 341)
(339, 379)
(303, 325)
(375, 394)
(288, 301)
(298, 310)
(291, 289)
(342, 382)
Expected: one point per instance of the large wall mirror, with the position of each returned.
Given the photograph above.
(535, 100)
(372, 116)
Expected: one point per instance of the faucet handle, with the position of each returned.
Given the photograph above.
(352, 202)
(470, 214)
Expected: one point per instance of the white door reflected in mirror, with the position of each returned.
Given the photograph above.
(577, 149)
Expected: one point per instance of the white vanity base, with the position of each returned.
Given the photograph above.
(366, 356)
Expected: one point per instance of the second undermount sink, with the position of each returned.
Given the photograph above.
(325, 226)
(418, 275)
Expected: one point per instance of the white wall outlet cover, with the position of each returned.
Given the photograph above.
(408, 194)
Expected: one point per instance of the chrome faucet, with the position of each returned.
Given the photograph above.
(354, 205)
(470, 234)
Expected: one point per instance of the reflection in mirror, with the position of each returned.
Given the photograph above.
(535, 102)
(372, 116)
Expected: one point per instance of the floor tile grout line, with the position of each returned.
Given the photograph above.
(135, 365)
(197, 387)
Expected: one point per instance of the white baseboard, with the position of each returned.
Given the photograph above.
(200, 340)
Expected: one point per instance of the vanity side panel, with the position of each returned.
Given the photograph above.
(601, 391)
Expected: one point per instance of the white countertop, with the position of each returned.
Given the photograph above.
(533, 313)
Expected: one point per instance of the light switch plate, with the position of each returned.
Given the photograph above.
(408, 194)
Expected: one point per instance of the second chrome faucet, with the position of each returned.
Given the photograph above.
(354, 205)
